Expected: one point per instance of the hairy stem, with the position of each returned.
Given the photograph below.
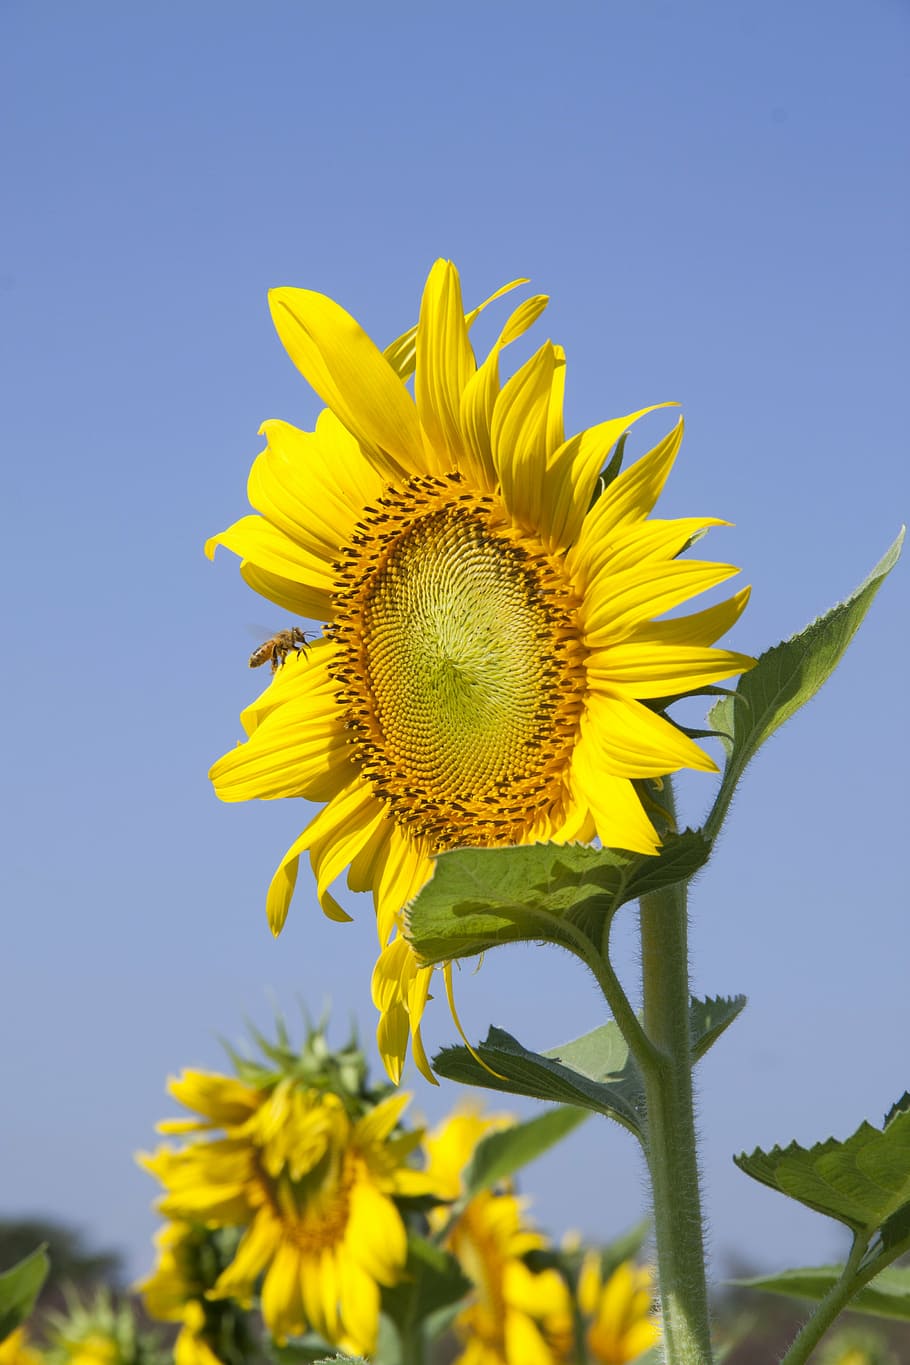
(671, 1142)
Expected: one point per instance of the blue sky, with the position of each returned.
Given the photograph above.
(715, 197)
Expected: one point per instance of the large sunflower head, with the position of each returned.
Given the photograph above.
(311, 1180)
(491, 662)
(516, 1315)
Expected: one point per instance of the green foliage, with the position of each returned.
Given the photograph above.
(500, 1154)
(433, 1281)
(709, 1018)
(594, 1072)
(479, 898)
(863, 1182)
(19, 1288)
(72, 1262)
(521, 1072)
(886, 1296)
(784, 679)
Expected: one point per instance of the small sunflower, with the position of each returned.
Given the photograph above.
(188, 1265)
(516, 1316)
(100, 1332)
(490, 653)
(621, 1311)
(16, 1349)
(313, 1188)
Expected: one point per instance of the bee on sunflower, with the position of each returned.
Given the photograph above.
(491, 646)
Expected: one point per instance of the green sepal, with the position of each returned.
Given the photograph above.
(887, 1296)
(543, 1077)
(432, 1281)
(479, 898)
(784, 679)
(19, 1288)
(863, 1182)
(610, 470)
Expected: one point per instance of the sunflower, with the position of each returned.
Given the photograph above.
(516, 1316)
(490, 666)
(16, 1350)
(312, 1187)
(176, 1290)
(621, 1309)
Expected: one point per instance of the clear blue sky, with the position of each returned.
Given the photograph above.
(715, 197)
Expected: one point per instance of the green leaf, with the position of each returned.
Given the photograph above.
(784, 679)
(887, 1296)
(500, 1154)
(479, 898)
(19, 1288)
(708, 1019)
(521, 1072)
(432, 1280)
(863, 1182)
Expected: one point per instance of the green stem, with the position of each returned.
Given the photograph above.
(834, 1302)
(671, 1143)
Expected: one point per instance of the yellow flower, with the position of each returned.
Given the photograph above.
(175, 1291)
(516, 1316)
(490, 656)
(623, 1326)
(15, 1350)
(314, 1189)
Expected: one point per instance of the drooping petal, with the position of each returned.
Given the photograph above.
(352, 377)
(617, 812)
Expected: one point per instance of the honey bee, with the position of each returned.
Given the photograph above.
(276, 650)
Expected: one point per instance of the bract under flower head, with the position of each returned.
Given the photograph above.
(490, 647)
(313, 1187)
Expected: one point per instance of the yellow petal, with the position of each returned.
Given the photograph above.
(635, 544)
(445, 363)
(375, 1233)
(223, 1099)
(623, 600)
(519, 436)
(282, 1302)
(255, 539)
(481, 392)
(407, 868)
(572, 475)
(335, 355)
(698, 628)
(629, 498)
(632, 741)
(618, 814)
(402, 352)
(648, 670)
(313, 494)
